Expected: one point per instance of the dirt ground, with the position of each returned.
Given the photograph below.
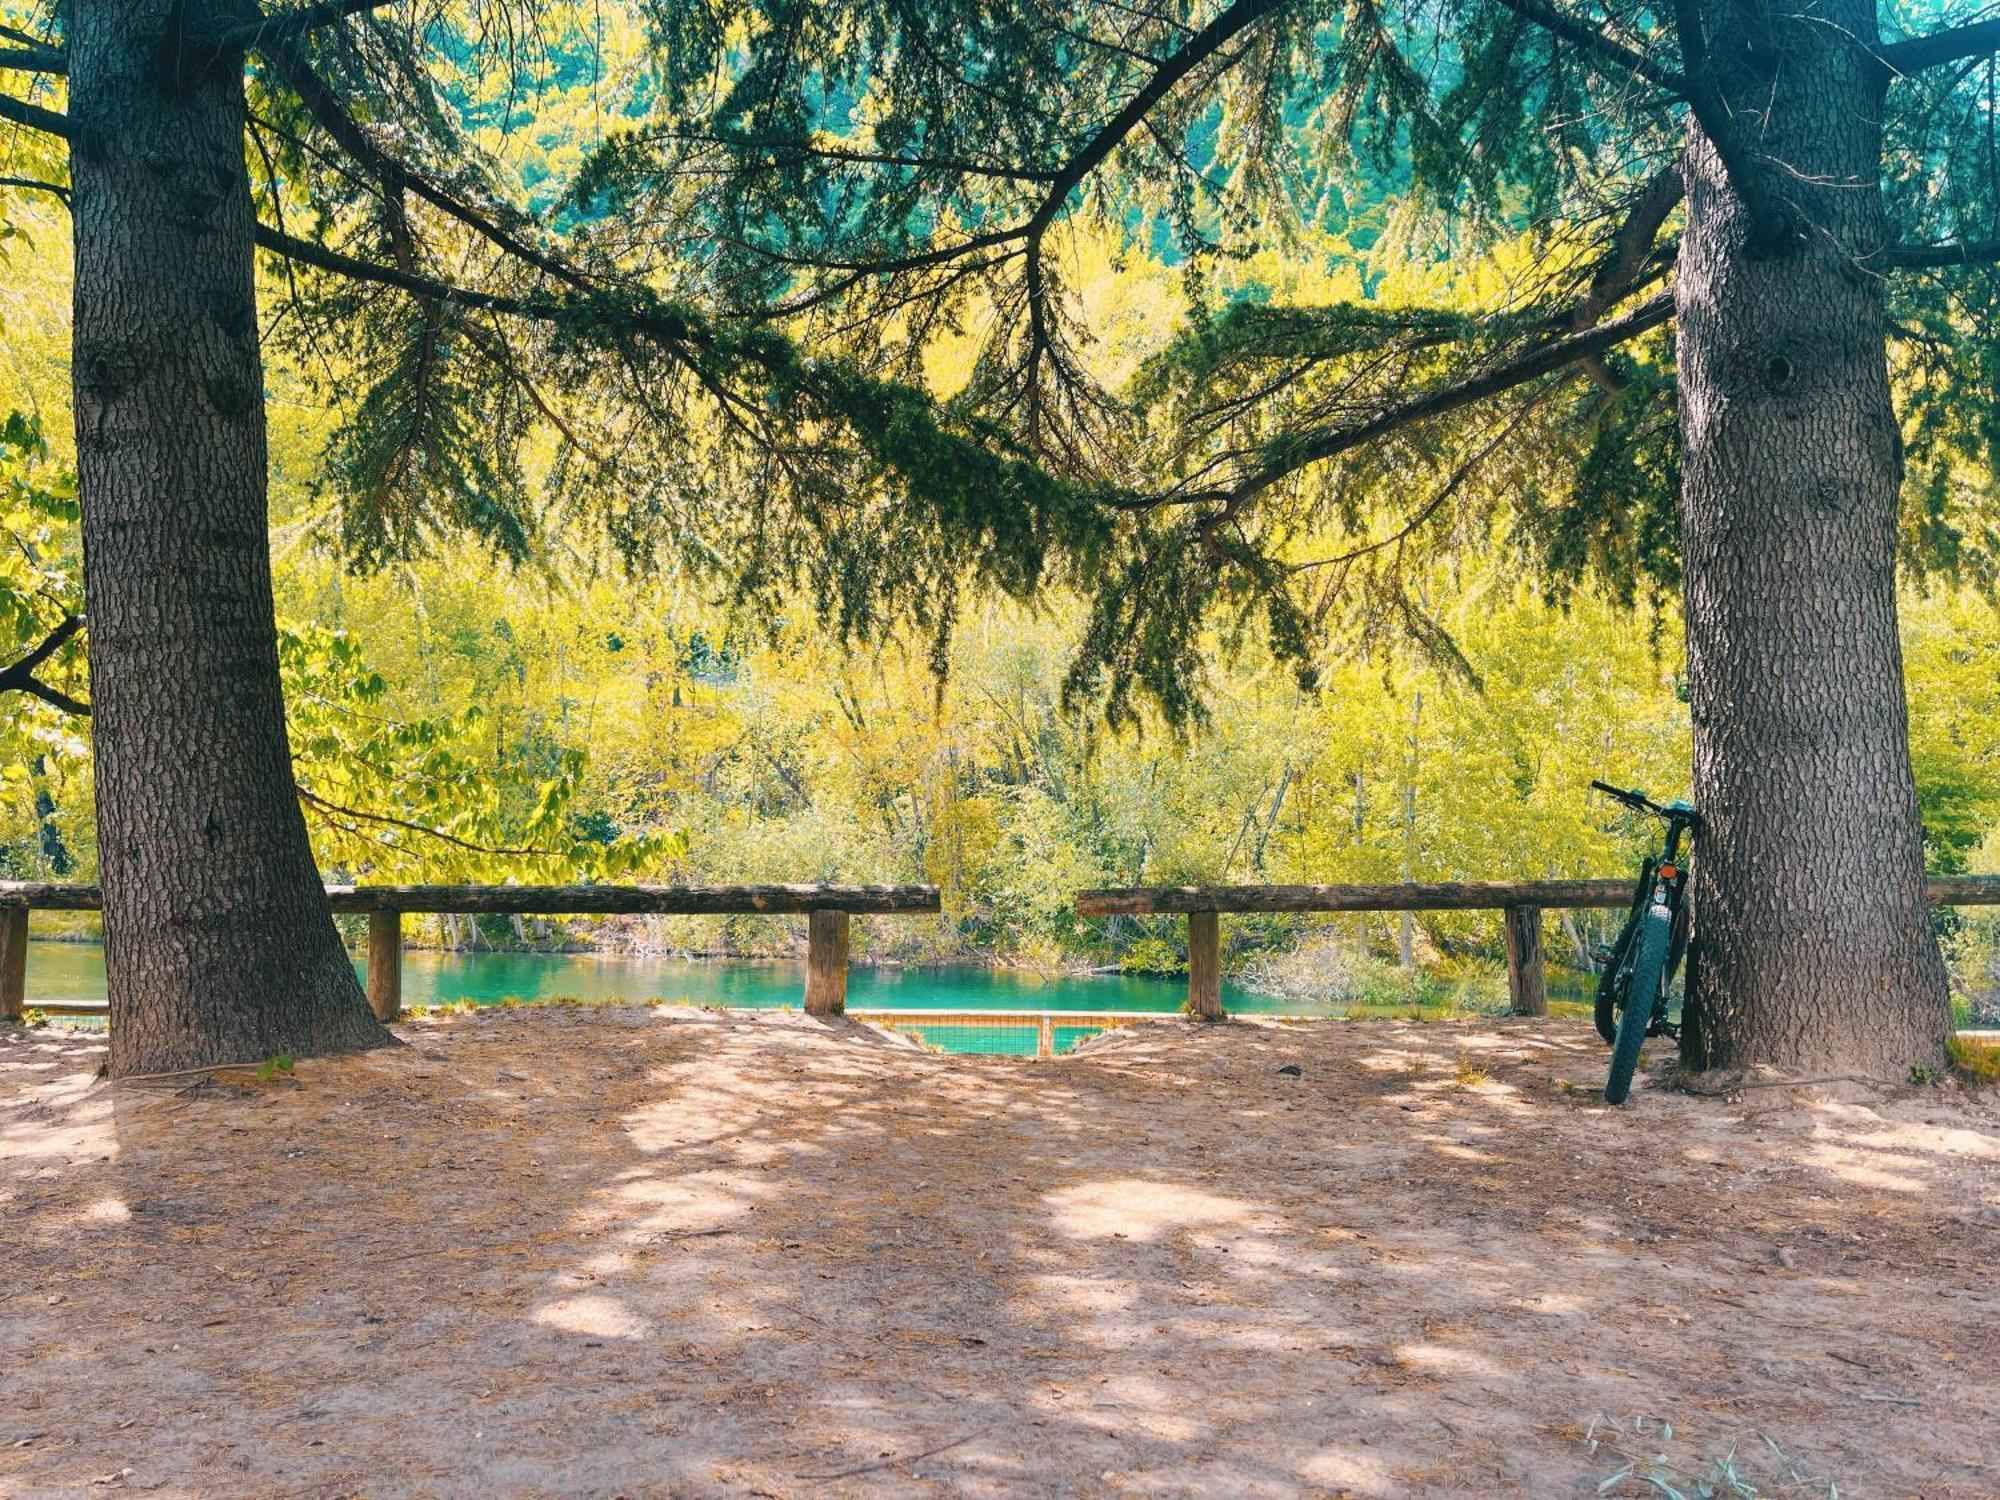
(656, 1252)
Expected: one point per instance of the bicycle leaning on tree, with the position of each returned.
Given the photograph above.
(1632, 992)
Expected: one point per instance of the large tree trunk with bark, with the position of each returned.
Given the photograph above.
(1815, 944)
(218, 943)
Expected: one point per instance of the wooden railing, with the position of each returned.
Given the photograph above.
(1520, 903)
(827, 909)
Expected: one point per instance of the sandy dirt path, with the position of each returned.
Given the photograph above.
(655, 1252)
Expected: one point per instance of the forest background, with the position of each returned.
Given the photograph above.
(556, 714)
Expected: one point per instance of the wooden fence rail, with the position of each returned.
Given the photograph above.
(1521, 904)
(830, 907)
(827, 907)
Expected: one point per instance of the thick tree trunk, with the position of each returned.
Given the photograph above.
(1814, 938)
(219, 945)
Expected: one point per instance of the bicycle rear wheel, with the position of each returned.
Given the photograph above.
(1642, 991)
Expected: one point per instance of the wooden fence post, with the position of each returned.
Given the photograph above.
(1527, 983)
(1204, 966)
(1045, 1036)
(385, 964)
(826, 963)
(13, 962)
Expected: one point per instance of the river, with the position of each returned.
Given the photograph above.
(60, 971)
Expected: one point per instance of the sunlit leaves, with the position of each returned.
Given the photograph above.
(389, 796)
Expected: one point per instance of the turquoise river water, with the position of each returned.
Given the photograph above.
(60, 971)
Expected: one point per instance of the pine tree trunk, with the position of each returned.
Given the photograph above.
(218, 943)
(1814, 937)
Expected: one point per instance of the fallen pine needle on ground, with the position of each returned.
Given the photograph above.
(641, 1251)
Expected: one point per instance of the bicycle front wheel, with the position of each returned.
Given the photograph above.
(1642, 990)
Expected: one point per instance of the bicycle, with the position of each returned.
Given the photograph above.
(1632, 992)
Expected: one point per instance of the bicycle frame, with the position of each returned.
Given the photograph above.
(1662, 887)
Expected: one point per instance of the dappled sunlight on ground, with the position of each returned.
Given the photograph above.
(1129, 1208)
(644, 1252)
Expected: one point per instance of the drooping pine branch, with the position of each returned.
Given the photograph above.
(1286, 456)
(1590, 38)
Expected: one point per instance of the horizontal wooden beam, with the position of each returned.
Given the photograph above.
(559, 900)
(1465, 895)
(1428, 896)
(1964, 890)
(890, 900)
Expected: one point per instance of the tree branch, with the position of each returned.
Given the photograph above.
(49, 121)
(271, 29)
(314, 800)
(19, 676)
(779, 146)
(1935, 257)
(1770, 223)
(678, 335)
(36, 185)
(1587, 37)
(1300, 450)
(1200, 47)
(297, 74)
(33, 60)
(1953, 44)
(1631, 246)
(415, 283)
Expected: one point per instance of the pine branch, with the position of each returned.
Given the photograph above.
(1632, 245)
(1953, 44)
(34, 117)
(1938, 257)
(1203, 45)
(291, 66)
(33, 60)
(1770, 223)
(339, 263)
(1587, 37)
(273, 29)
(36, 185)
(819, 151)
(1301, 450)
(1199, 48)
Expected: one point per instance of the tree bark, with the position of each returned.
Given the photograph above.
(219, 946)
(1816, 946)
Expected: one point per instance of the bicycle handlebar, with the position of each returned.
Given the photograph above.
(1639, 802)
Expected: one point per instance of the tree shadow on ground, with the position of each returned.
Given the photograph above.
(647, 1252)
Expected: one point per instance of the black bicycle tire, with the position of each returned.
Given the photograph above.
(1605, 1011)
(1641, 991)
